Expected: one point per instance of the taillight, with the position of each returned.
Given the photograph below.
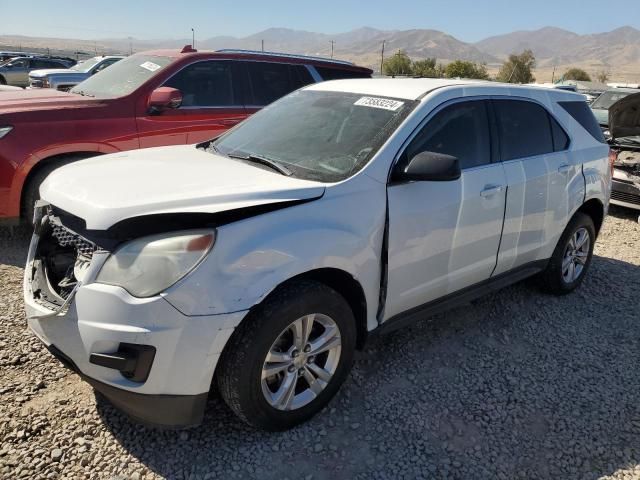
(613, 156)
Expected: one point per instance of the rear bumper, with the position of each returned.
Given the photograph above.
(625, 194)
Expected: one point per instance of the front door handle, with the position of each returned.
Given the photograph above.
(490, 190)
(564, 168)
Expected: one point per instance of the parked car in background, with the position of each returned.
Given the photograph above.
(4, 55)
(263, 259)
(165, 97)
(64, 79)
(624, 129)
(600, 105)
(16, 71)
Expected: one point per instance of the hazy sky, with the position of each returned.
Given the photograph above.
(468, 20)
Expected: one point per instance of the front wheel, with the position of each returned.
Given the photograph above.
(572, 256)
(289, 357)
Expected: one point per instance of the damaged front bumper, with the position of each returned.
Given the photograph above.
(150, 360)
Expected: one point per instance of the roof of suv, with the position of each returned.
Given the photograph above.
(415, 88)
(187, 51)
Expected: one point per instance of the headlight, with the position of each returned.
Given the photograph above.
(4, 131)
(149, 265)
(45, 83)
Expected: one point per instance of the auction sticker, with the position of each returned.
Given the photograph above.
(376, 102)
(152, 67)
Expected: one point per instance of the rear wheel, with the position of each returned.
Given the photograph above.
(2, 80)
(572, 256)
(289, 357)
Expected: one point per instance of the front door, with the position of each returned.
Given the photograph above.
(445, 236)
(211, 104)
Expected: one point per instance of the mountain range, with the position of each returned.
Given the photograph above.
(617, 51)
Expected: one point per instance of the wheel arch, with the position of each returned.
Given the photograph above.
(47, 163)
(594, 208)
(346, 285)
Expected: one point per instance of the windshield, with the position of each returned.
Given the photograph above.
(85, 66)
(122, 77)
(608, 98)
(323, 136)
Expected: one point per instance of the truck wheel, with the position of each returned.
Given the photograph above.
(571, 258)
(2, 80)
(288, 358)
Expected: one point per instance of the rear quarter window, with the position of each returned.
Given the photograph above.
(582, 114)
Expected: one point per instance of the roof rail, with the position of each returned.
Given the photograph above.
(283, 55)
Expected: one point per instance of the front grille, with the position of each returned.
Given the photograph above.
(66, 238)
(625, 197)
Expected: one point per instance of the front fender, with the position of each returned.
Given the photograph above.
(342, 230)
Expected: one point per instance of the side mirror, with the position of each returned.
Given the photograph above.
(430, 166)
(164, 98)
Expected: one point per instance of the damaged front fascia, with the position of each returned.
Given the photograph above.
(628, 161)
(136, 227)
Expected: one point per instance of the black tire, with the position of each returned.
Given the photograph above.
(31, 190)
(240, 367)
(551, 279)
(2, 80)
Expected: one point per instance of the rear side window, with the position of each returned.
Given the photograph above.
(328, 73)
(582, 114)
(460, 130)
(560, 138)
(205, 84)
(269, 81)
(524, 129)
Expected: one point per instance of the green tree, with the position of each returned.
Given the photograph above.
(428, 68)
(464, 69)
(399, 64)
(518, 68)
(577, 74)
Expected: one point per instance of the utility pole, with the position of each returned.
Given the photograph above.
(130, 46)
(553, 75)
(331, 42)
(263, 44)
(382, 58)
(193, 38)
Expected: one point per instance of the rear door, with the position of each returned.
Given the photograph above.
(534, 153)
(211, 104)
(445, 236)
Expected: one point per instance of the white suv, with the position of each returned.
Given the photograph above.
(262, 259)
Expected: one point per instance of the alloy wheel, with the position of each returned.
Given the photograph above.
(301, 362)
(575, 255)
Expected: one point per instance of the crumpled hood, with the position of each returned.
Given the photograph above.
(624, 117)
(183, 179)
(41, 99)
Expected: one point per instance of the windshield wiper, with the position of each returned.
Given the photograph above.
(252, 157)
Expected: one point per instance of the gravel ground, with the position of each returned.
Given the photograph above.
(522, 385)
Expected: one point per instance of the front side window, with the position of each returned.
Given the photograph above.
(317, 135)
(460, 130)
(205, 84)
(124, 77)
(524, 129)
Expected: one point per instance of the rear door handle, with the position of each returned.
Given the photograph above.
(564, 168)
(490, 190)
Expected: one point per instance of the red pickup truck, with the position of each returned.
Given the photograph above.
(164, 97)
